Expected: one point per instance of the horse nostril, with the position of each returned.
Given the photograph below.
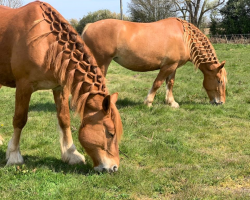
(110, 170)
(220, 103)
(115, 168)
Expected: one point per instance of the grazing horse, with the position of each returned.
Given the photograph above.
(40, 50)
(165, 45)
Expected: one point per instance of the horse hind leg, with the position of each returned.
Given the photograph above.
(68, 149)
(169, 99)
(23, 94)
(161, 77)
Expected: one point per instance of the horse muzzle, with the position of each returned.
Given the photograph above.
(101, 168)
(215, 102)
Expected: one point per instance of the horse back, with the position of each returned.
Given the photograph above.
(137, 46)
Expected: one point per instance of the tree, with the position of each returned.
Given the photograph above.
(150, 10)
(194, 10)
(73, 22)
(96, 16)
(236, 17)
(11, 3)
(215, 22)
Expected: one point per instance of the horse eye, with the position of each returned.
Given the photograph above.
(111, 134)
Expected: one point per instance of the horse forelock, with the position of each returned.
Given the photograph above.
(201, 49)
(116, 118)
(69, 59)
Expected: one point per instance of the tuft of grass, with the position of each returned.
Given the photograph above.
(198, 151)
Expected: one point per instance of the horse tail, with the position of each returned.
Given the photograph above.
(85, 28)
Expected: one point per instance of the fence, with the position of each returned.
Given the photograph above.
(234, 38)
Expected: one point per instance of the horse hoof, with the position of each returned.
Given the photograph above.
(14, 158)
(76, 158)
(149, 104)
(173, 104)
(72, 156)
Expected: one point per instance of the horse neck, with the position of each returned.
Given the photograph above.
(71, 61)
(205, 67)
(200, 48)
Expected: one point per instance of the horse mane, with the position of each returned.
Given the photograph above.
(201, 49)
(69, 60)
(117, 122)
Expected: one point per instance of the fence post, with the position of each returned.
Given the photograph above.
(226, 39)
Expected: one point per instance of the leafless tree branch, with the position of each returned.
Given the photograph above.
(11, 3)
(196, 8)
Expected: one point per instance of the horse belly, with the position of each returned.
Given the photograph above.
(6, 76)
(139, 61)
(44, 85)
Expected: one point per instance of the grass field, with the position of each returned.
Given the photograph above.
(198, 151)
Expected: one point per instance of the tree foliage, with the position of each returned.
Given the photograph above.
(150, 10)
(194, 10)
(73, 22)
(96, 16)
(236, 17)
(215, 22)
(11, 3)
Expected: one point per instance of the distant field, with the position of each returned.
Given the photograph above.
(198, 151)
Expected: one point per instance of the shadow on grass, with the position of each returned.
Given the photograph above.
(51, 107)
(48, 107)
(127, 102)
(50, 163)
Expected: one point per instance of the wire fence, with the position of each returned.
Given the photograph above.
(233, 38)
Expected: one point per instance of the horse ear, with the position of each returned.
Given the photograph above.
(106, 104)
(222, 64)
(114, 97)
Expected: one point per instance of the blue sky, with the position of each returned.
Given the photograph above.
(78, 8)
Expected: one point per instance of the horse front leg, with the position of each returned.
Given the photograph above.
(23, 94)
(68, 149)
(161, 77)
(1, 140)
(169, 99)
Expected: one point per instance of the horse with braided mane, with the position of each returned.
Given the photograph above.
(166, 45)
(40, 50)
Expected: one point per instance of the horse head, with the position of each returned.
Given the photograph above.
(101, 131)
(215, 79)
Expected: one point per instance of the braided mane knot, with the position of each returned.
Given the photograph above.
(201, 49)
(72, 65)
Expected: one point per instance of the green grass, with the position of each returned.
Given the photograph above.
(198, 151)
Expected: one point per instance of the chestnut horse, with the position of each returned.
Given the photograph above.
(40, 50)
(165, 45)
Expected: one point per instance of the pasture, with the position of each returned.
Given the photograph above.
(198, 151)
